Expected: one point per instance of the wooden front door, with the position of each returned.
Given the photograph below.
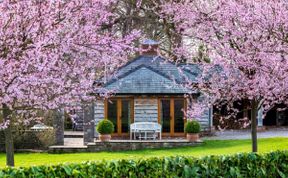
(171, 116)
(120, 113)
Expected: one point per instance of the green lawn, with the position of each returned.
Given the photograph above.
(215, 147)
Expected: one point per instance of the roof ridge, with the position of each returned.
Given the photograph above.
(137, 68)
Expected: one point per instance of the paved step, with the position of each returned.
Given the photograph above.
(73, 134)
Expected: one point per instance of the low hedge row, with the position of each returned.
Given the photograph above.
(274, 164)
(29, 139)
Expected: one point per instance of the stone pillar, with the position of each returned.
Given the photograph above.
(58, 125)
(260, 117)
(89, 124)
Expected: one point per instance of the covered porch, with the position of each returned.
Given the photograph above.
(168, 112)
(148, 88)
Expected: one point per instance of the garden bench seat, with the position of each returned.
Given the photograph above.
(145, 130)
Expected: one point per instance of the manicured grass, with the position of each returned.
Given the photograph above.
(211, 147)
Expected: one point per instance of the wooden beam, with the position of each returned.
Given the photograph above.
(106, 108)
(185, 110)
(172, 116)
(132, 110)
(119, 116)
(159, 110)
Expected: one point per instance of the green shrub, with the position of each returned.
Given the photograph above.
(67, 121)
(192, 127)
(273, 164)
(29, 139)
(105, 127)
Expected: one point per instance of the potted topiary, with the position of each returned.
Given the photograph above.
(192, 129)
(105, 128)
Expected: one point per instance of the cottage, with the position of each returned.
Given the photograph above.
(150, 88)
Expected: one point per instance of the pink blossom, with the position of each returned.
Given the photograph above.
(52, 51)
(247, 39)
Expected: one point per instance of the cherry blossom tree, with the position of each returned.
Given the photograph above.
(50, 54)
(247, 41)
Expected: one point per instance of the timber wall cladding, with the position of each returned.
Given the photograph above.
(146, 110)
(204, 119)
(98, 112)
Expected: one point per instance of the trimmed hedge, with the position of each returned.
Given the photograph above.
(192, 127)
(105, 126)
(274, 164)
(29, 139)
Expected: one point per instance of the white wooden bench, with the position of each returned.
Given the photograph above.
(145, 130)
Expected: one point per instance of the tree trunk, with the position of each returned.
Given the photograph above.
(9, 145)
(254, 111)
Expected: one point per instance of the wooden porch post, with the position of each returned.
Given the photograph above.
(172, 116)
(119, 116)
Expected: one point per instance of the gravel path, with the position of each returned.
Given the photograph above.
(246, 134)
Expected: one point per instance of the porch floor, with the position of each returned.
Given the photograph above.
(164, 140)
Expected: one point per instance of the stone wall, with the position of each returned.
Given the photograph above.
(58, 125)
(145, 110)
(123, 145)
(88, 123)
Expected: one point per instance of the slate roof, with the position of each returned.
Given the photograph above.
(152, 75)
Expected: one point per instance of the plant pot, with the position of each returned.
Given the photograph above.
(192, 137)
(105, 137)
